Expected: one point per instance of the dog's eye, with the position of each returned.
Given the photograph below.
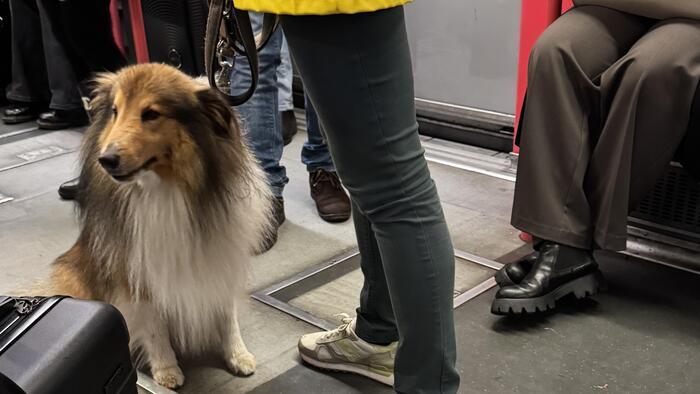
(114, 111)
(149, 114)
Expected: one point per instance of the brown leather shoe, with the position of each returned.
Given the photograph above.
(332, 204)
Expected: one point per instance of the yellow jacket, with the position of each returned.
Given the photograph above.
(316, 7)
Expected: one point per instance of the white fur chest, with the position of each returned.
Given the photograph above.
(189, 278)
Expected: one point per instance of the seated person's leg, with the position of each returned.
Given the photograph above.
(648, 95)
(559, 116)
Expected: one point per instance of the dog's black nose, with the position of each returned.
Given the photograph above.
(109, 159)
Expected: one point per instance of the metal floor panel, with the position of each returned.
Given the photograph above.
(30, 148)
(38, 177)
(322, 292)
(9, 131)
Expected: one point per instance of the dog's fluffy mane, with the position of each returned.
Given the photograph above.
(179, 246)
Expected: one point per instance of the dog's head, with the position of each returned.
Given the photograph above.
(152, 117)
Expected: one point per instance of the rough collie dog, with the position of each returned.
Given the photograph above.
(172, 205)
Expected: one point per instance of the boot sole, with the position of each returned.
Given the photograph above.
(334, 218)
(349, 368)
(18, 120)
(51, 126)
(581, 288)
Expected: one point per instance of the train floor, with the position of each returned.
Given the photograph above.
(641, 335)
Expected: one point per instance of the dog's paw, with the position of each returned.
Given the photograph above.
(242, 363)
(170, 377)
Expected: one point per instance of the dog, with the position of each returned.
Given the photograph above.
(171, 206)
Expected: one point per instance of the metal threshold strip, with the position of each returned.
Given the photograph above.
(18, 132)
(49, 155)
(4, 198)
(478, 161)
(278, 295)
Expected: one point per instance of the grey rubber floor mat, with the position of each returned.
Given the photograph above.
(305, 380)
(642, 335)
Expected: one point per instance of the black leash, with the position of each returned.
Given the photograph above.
(229, 32)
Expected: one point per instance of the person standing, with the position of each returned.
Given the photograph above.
(87, 28)
(354, 59)
(609, 100)
(42, 74)
(262, 116)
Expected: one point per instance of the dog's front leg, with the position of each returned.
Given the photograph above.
(149, 330)
(238, 358)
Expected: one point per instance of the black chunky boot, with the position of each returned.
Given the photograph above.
(559, 271)
(69, 189)
(514, 273)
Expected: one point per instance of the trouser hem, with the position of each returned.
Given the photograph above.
(24, 99)
(551, 233)
(326, 167)
(603, 240)
(368, 335)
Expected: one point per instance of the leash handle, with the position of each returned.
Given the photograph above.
(228, 32)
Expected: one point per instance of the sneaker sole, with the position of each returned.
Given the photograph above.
(581, 288)
(349, 368)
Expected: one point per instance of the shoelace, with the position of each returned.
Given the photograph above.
(325, 176)
(342, 329)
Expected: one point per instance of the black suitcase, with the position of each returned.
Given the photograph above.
(63, 345)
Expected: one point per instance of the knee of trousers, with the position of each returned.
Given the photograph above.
(398, 201)
(647, 71)
(550, 54)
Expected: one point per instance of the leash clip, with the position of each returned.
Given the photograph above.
(225, 57)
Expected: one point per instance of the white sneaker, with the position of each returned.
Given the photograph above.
(342, 350)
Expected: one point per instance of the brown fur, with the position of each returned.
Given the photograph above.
(162, 122)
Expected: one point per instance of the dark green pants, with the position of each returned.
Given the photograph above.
(357, 73)
(608, 103)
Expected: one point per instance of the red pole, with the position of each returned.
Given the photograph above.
(535, 16)
(116, 25)
(566, 4)
(138, 31)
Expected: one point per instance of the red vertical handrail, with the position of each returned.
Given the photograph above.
(138, 31)
(535, 16)
(566, 4)
(116, 25)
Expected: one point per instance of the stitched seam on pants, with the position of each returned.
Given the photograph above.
(403, 191)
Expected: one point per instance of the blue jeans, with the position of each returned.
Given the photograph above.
(285, 78)
(260, 116)
(315, 154)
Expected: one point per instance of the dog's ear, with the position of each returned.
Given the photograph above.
(217, 110)
(101, 96)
